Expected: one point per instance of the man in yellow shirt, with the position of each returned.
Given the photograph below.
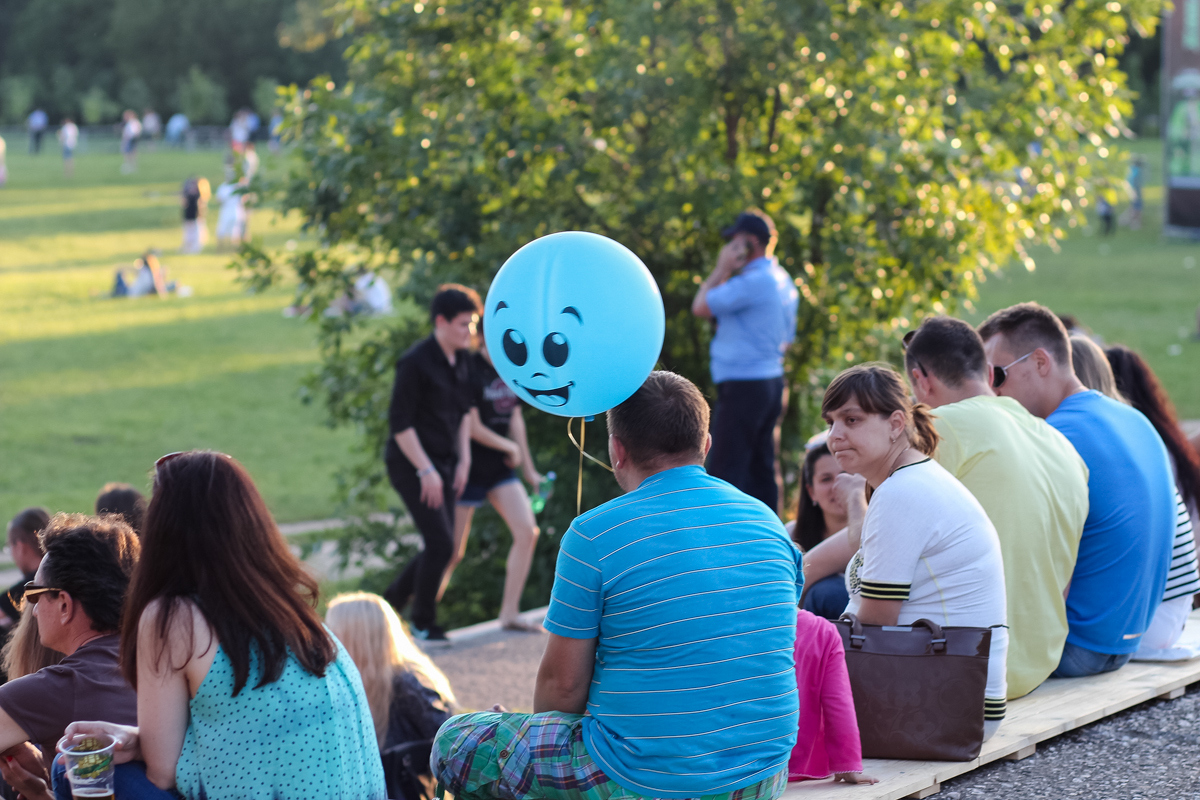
(1025, 474)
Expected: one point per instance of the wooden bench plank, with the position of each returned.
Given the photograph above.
(1054, 708)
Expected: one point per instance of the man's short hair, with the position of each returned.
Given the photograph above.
(755, 222)
(26, 526)
(123, 499)
(667, 418)
(91, 559)
(947, 347)
(453, 299)
(1028, 326)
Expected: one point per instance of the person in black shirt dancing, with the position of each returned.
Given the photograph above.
(498, 445)
(428, 454)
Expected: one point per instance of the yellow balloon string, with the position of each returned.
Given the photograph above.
(582, 454)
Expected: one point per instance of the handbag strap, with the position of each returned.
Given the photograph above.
(858, 638)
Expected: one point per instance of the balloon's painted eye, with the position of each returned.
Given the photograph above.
(514, 347)
(556, 349)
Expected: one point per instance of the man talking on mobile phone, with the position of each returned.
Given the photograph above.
(753, 301)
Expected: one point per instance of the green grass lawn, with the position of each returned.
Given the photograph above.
(1133, 288)
(94, 389)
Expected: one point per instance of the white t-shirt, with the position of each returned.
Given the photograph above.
(927, 542)
(132, 130)
(69, 133)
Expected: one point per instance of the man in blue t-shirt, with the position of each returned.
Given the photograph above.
(754, 302)
(668, 672)
(1125, 551)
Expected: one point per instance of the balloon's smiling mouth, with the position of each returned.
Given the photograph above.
(550, 397)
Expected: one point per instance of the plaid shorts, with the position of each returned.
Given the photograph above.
(501, 756)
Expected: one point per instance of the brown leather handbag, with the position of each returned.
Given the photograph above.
(918, 689)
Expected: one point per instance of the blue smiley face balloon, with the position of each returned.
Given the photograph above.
(574, 323)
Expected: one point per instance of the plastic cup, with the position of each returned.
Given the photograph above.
(89, 763)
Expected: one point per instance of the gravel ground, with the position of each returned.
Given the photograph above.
(1150, 752)
(493, 668)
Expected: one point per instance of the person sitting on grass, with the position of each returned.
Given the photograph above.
(820, 515)
(241, 691)
(928, 550)
(1121, 569)
(124, 500)
(668, 671)
(77, 595)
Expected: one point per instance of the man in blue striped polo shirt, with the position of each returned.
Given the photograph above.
(668, 672)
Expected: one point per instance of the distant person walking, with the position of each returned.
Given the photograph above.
(3, 162)
(131, 131)
(753, 301)
(428, 453)
(194, 196)
(239, 132)
(177, 129)
(151, 126)
(68, 137)
(37, 124)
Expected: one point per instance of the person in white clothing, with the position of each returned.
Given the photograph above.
(231, 221)
(68, 137)
(131, 131)
(926, 548)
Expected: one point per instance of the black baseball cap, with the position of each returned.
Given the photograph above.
(753, 222)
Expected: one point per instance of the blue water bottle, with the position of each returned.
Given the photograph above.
(538, 501)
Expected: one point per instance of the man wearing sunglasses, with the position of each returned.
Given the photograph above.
(1025, 474)
(77, 596)
(1125, 551)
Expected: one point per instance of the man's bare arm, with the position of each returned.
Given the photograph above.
(565, 675)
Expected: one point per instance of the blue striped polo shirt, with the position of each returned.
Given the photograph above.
(690, 587)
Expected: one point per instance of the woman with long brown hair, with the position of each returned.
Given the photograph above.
(926, 549)
(242, 692)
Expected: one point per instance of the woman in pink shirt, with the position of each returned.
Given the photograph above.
(827, 742)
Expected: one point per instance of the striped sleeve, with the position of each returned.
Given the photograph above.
(1183, 579)
(994, 708)
(575, 600)
(883, 590)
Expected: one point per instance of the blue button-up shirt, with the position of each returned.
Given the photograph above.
(756, 321)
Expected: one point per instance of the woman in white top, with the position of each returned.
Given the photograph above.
(926, 549)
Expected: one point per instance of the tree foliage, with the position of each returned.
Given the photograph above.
(904, 149)
(138, 51)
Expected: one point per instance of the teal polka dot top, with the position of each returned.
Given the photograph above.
(299, 737)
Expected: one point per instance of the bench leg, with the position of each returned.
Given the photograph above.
(1173, 694)
(1023, 753)
(926, 792)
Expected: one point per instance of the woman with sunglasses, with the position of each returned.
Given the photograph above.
(242, 692)
(926, 549)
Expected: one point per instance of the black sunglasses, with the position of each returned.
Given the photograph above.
(172, 456)
(1000, 374)
(30, 592)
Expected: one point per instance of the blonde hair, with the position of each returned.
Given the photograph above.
(24, 653)
(377, 641)
(1092, 367)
